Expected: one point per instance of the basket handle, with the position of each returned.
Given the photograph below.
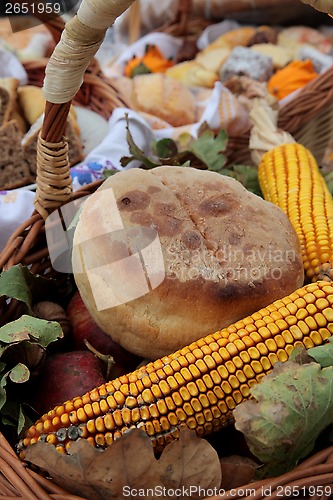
(64, 73)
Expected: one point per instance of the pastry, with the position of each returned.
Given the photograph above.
(245, 61)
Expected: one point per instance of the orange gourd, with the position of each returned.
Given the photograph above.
(153, 61)
(292, 77)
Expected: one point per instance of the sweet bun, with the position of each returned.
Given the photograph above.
(226, 253)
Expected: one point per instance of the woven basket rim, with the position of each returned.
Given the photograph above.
(310, 102)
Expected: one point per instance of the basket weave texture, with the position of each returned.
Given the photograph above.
(310, 111)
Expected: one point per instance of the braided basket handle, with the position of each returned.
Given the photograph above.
(64, 74)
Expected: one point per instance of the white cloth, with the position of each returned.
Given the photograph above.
(10, 66)
(15, 208)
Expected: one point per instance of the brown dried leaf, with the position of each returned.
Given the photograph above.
(67, 471)
(130, 462)
(237, 471)
(188, 463)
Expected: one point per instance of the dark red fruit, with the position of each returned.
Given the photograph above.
(65, 376)
(85, 328)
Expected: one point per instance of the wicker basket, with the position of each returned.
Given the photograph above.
(190, 17)
(27, 245)
(309, 116)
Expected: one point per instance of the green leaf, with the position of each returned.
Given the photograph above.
(13, 415)
(184, 141)
(3, 393)
(165, 148)
(29, 328)
(109, 172)
(22, 420)
(323, 354)
(19, 374)
(140, 69)
(246, 175)
(293, 405)
(20, 284)
(209, 149)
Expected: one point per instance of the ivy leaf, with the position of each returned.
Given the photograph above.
(209, 149)
(291, 407)
(323, 354)
(20, 284)
(30, 328)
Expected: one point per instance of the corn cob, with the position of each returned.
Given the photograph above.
(289, 177)
(198, 386)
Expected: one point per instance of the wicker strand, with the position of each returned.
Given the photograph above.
(79, 42)
(54, 184)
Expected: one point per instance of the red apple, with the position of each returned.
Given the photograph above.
(85, 328)
(65, 376)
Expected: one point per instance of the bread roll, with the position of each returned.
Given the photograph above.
(164, 97)
(226, 254)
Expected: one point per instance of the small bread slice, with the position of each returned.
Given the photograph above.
(14, 170)
(8, 95)
(31, 101)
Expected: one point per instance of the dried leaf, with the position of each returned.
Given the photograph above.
(132, 465)
(129, 468)
(237, 471)
(190, 462)
(293, 405)
(135, 151)
(67, 471)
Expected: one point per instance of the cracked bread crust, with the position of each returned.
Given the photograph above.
(226, 253)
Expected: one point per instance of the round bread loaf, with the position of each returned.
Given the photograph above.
(163, 257)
